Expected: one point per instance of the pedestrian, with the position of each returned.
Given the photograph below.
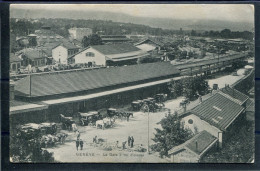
(77, 144)
(129, 140)
(132, 141)
(74, 127)
(95, 139)
(200, 99)
(81, 144)
(117, 144)
(123, 145)
(78, 135)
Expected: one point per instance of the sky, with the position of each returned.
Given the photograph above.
(227, 12)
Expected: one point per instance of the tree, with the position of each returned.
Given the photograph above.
(172, 134)
(93, 39)
(226, 33)
(175, 88)
(32, 42)
(193, 33)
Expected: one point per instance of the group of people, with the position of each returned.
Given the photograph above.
(79, 141)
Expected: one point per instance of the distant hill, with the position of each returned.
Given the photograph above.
(164, 23)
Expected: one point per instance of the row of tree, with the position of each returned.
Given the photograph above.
(190, 87)
(225, 33)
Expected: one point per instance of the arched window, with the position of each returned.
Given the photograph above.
(90, 54)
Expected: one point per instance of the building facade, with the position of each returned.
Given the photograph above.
(105, 55)
(79, 33)
(62, 52)
(15, 62)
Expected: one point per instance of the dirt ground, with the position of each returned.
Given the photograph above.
(136, 127)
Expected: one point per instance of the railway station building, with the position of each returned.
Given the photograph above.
(70, 92)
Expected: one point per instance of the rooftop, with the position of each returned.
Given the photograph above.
(197, 144)
(115, 48)
(84, 80)
(34, 54)
(235, 94)
(14, 58)
(150, 39)
(67, 45)
(218, 110)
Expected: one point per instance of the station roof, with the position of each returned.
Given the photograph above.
(21, 107)
(76, 81)
(218, 110)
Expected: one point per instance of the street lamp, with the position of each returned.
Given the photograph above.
(146, 107)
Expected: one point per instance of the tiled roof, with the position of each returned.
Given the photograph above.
(218, 110)
(150, 39)
(234, 94)
(67, 45)
(83, 80)
(14, 58)
(115, 48)
(204, 140)
(34, 54)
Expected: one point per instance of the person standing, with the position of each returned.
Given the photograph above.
(129, 140)
(81, 144)
(95, 139)
(77, 144)
(132, 141)
(78, 135)
(123, 145)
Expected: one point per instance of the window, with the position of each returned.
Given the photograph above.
(90, 54)
(14, 67)
(190, 121)
(42, 61)
(18, 65)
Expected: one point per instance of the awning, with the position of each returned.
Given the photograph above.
(27, 108)
(105, 93)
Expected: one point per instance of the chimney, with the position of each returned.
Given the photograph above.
(11, 91)
(196, 146)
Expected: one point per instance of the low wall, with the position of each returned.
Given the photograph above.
(246, 83)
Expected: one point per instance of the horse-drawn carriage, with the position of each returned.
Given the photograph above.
(29, 131)
(89, 118)
(115, 113)
(151, 104)
(66, 122)
(160, 98)
(48, 128)
(105, 123)
(185, 102)
(136, 105)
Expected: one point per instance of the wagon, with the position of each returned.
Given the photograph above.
(105, 123)
(159, 98)
(111, 112)
(89, 118)
(66, 122)
(48, 128)
(136, 105)
(30, 131)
